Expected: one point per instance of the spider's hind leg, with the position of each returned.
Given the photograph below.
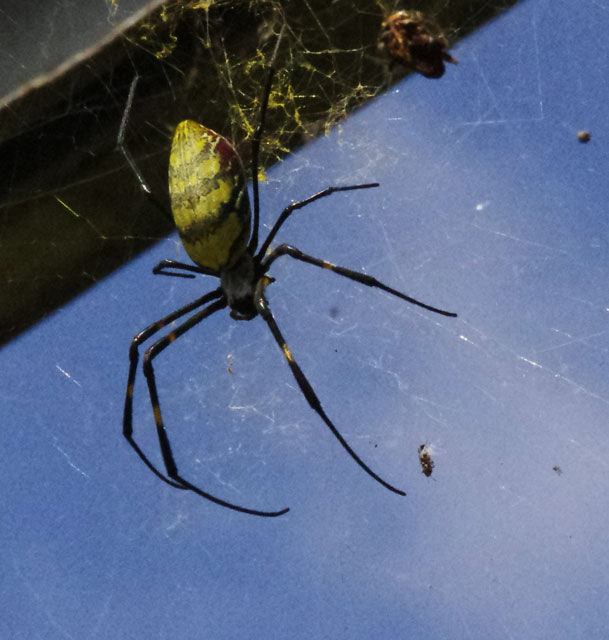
(294, 206)
(122, 147)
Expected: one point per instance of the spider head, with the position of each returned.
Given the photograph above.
(238, 284)
(243, 310)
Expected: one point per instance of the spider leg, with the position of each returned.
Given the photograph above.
(285, 214)
(286, 249)
(305, 386)
(138, 339)
(161, 269)
(122, 147)
(253, 242)
(166, 451)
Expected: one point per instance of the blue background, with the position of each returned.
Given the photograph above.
(488, 206)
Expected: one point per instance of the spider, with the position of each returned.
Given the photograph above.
(211, 210)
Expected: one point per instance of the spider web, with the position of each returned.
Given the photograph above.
(489, 206)
(72, 212)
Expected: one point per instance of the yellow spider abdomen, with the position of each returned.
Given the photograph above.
(209, 197)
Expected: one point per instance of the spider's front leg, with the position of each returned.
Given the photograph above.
(134, 357)
(305, 386)
(164, 444)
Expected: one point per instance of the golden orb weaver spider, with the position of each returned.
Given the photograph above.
(211, 210)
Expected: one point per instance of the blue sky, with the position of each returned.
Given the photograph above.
(489, 207)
